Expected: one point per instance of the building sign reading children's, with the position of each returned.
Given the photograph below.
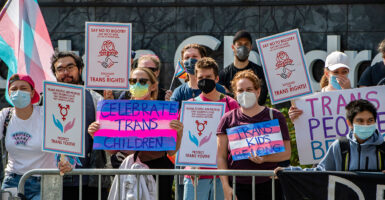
(260, 139)
(323, 119)
(200, 122)
(136, 125)
(108, 55)
(284, 65)
(64, 119)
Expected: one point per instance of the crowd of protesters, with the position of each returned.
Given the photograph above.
(241, 86)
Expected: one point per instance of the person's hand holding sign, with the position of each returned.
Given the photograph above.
(178, 126)
(93, 128)
(255, 158)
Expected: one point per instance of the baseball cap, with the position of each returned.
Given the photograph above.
(28, 79)
(337, 60)
(242, 34)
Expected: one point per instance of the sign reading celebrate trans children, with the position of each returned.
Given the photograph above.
(284, 65)
(323, 119)
(108, 55)
(136, 125)
(260, 139)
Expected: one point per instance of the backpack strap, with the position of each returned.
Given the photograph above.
(380, 156)
(7, 119)
(271, 114)
(345, 153)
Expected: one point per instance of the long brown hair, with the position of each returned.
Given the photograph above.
(324, 80)
(153, 80)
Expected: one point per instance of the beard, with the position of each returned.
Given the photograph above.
(70, 79)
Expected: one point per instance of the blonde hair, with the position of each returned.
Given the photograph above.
(153, 58)
(381, 48)
(324, 79)
(152, 79)
(248, 74)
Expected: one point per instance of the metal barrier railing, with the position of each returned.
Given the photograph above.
(157, 172)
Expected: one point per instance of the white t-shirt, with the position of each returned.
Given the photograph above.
(23, 142)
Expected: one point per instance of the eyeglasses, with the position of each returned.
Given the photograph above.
(142, 81)
(69, 68)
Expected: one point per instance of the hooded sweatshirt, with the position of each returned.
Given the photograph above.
(362, 156)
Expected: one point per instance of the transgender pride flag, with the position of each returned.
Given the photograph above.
(25, 45)
(260, 139)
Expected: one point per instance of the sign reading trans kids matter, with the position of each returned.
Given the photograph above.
(260, 139)
(200, 120)
(323, 119)
(284, 65)
(108, 55)
(136, 125)
(64, 119)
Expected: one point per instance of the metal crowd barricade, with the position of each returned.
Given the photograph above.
(157, 173)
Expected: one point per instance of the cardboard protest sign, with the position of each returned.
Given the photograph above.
(323, 119)
(260, 139)
(108, 55)
(64, 119)
(136, 125)
(284, 65)
(200, 122)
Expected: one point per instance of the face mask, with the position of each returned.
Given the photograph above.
(138, 90)
(206, 85)
(364, 131)
(20, 99)
(190, 65)
(334, 83)
(242, 53)
(247, 99)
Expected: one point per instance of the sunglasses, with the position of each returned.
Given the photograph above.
(142, 81)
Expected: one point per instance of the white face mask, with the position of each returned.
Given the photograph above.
(247, 99)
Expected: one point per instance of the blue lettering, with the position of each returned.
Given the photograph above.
(326, 128)
(317, 145)
(338, 128)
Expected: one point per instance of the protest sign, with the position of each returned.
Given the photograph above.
(260, 139)
(64, 119)
(323, 119)
(108, 55)
(199, 142)
(284, 65)
(136, 125)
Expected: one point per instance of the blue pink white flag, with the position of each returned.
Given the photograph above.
(180, 71)
(260, 139)
(136, 125)
(25, 45)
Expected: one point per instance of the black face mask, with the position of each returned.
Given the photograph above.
(206, 85)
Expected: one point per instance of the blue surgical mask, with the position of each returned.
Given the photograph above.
(20, 99)
(364, 131)
(334, 83)
(190, 65)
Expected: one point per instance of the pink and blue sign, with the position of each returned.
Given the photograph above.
(136, 125)
(260, 139)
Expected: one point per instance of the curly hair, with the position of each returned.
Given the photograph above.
(207, 63)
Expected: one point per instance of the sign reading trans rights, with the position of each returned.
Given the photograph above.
(260, 139)
(136, 125)
(323, 119)
(284, 65)
(108, 54)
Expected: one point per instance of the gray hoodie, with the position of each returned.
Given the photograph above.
(362, 156)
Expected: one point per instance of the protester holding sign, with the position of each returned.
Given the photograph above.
(206, 71)
(361, 150)
(335, 78)
(23, 131)
(143, 86)
(247, 88)
(191, 53)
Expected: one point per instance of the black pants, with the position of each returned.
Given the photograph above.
(72, 193)
(262, 191)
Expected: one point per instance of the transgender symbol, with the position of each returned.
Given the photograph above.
(63, 113)
(200, 127)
